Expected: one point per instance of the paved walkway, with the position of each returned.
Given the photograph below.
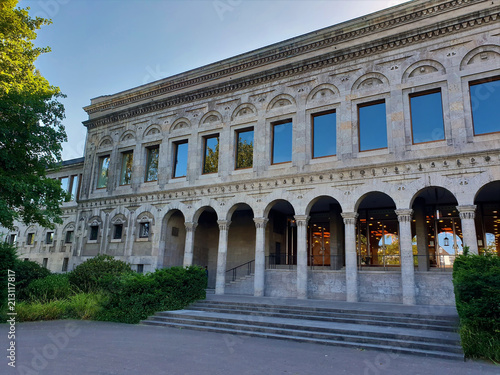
(77, 347)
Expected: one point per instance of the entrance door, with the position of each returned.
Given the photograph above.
(319, 244)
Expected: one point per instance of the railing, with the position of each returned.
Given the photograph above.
(383, 262)
(328, 262)
(240, 271)
(443, 262)
(281, 261)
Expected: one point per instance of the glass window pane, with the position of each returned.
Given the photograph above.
(65, 187)
(324, 135)
(427, 117)
(118, 232)
(74, 187)
(181, 156)
(126, 174)
(211, 163)
(244, 149)
(94, 231)
(282, 142)
(485, 100)
(69, 237)
(372, 127)
(152, 164)
(102, 180)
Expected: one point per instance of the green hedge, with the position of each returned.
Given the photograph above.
(7, 261)
(134, 297)
(50, 288)
(476, 280)
(26, 272)
(86, 276)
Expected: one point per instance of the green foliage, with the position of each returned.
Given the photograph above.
(86, 276)
(211, 163)
(34, 311)
(7, 260)
(244, 157)
(476, 280)
(50, 288)
(134, 297)
(26, 272)
(31, 131)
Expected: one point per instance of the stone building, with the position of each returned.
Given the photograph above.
(351, 163)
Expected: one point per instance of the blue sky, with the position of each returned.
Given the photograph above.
(102, 47)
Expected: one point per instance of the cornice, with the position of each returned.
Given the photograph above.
(319, 62)
(283, 53)
(459, 167)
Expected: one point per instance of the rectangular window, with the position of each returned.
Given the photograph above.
(74, 187)
(118, 231)
(31, 239)
(152, 157)
(102, 180)
(180, 159)
(69, 237)
(244, 149)
(144, 230)
(126, 172)
(485, 100)
(140, 268)
(65, 265)
(49, 238)
(282, 142)
(427, 116)
(372, 126)
(65, 186)
(94, 231)
(45, 262)
(324, 134)
(13, 239)
(211, 154)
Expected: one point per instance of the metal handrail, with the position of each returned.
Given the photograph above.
(233, 272)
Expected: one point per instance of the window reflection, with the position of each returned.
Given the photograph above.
(126, 173)
(485, 98)
(282, 142)
(102, 180)
(324, 134)
(211, 160)
(427, 117)
(244, 149)
(152, 164)
(372, 126)
(180, 159)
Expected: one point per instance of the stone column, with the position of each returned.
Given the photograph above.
(301, 221)
(351, 259)
(406, 256)
(260, 256)
(189, 243)
(467, 215)
(220, 280)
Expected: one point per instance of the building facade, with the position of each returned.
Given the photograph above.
(351, 163)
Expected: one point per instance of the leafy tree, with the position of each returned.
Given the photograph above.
(245, 154)
(211, 159)
(30, 125)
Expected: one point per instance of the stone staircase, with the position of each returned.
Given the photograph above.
(393, 328)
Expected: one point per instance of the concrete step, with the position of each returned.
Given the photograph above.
(390, 328)
(403, 341)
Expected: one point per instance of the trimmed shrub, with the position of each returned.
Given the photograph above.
(7, 261)
(26, 272)
(86, 276)
(476, 281)
(50, 288)
(134, 297)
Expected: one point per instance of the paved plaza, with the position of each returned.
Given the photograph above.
(79, 347)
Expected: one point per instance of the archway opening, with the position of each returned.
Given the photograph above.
(206, 244)
(281, 238)
(377, 232)
(325, 235)
(174, 239)
(487, 218)
(436, 229)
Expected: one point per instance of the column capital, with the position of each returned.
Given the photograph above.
(224, 224)
(301, 220)
(260, 222)
(190, 226)
(467, 212)
(349, 217)
(404, 215)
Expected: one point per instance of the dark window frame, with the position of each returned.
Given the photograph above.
(49, 238)
(148, 151)
(92, 231)
(367, 104)
(474, 83)
(313, 115)
(70, 239)
(99, 170)
(141, 229)
(115, 227)
(237, 132)
(423, 93)
(123, 154)
(273, 124)
(205, 140)
(175, 156)
(32, 237)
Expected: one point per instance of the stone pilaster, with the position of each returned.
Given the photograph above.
(189, 243)
(301, 221)
(351, 261)
(467, 215)
(406, 256)
(220, 281)
(260, 255)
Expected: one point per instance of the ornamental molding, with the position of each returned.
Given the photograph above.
(349, 217)
(224, 224)
(190, 226)
(260, 222)
(310, 65)
(286, 52)
(404, 215)
(467, 212)
(464, 167)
